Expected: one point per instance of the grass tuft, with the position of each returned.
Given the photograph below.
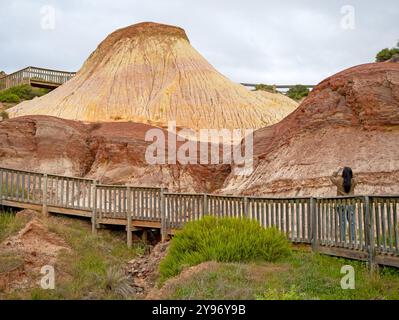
(10, 224)
(223, 240)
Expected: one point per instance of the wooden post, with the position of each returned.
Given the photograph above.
(164, 224)
(129, 217)
(144, 236)
(205, 205)
(94, 207)
(369, 230)
(246, 211)
(44, 196)
(313, 215)
(1, 188)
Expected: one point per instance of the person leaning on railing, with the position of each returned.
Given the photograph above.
(346, 212)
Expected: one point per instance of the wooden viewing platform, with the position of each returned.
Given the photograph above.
(36, 77)
(51, 79)
(278, 86)
(373, 237)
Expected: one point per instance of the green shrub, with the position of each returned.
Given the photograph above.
(22, 92)
(386, 54)
(9, 97)
(222, 240)
(298, 92)
(4, 115)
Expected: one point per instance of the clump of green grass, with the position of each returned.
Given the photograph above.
(223, 240)
(282, 294)
(10, 224)
(318, 277)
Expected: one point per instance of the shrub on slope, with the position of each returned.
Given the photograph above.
(223, 240)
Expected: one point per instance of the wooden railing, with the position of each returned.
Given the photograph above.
(34, 75)
(358, 227)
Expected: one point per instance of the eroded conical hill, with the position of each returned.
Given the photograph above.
(149, 72)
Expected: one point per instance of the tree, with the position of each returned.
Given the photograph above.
(387, 54)
(298, 92)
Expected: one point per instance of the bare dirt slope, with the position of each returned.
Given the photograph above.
(23, 255)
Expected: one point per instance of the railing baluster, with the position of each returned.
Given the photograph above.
(396, 225)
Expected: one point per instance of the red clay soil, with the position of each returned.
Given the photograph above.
(109, 152)
(23, 255)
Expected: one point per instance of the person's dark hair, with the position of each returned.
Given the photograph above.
(347, 175)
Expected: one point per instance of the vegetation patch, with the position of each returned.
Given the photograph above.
(387, 53)
(10, 224)
(266, 87)
(93, 268)
(223, 240)
(298, 92)
(4, 115)
(303, 275)
(23, 92)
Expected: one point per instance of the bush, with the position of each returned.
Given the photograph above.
(22, 92)
(9, 97)
(298, 92)
(266, 87)
(386, 54)
(223, 240)
(4, 115)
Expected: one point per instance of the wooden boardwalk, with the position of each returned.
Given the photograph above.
(36, 77)
(51, 79)
(278, 86)
(369, 232)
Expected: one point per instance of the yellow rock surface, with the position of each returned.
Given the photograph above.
(150, 73)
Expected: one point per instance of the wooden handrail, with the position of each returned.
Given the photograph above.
(319, 221)
(26, 75)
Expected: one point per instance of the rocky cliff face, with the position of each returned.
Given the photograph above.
(113, 153)
(349, 119)
(150, 73)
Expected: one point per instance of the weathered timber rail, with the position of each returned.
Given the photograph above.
(48, 78)
(278, 86)
(371, 233)
(36, 77)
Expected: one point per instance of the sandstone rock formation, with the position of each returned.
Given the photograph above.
(150, 73)
(349, 119)
(109, 152)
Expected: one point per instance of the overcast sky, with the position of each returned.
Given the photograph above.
(283, 42)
